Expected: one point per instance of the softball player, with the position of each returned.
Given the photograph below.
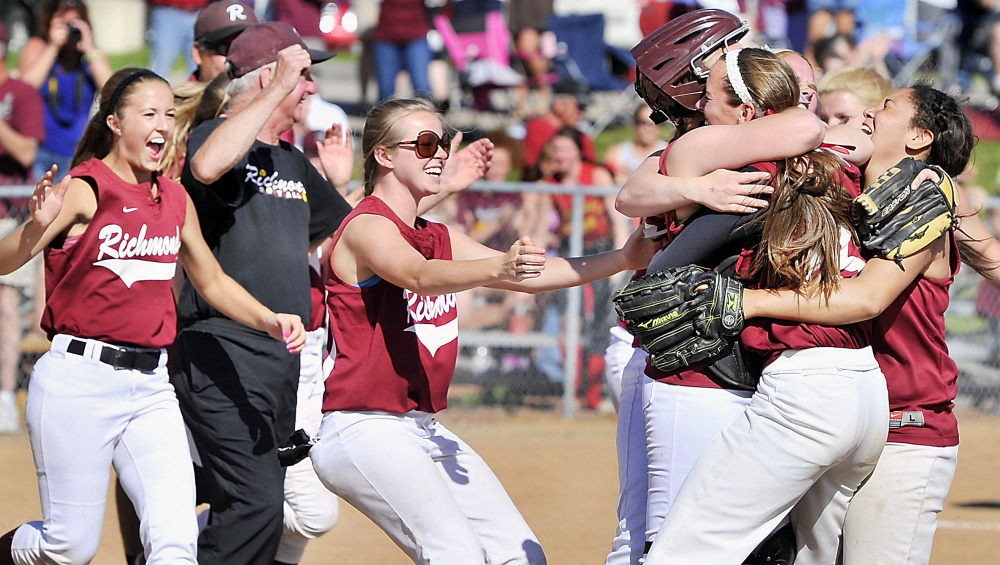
(893, 516)
(390, 288)
(112, 232)
(782, 443)
(694, 396)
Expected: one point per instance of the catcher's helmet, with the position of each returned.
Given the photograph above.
(670, 62)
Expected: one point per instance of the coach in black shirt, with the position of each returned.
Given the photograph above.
(261, 205)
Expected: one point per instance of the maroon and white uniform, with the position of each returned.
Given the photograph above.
(98, 283)
(92, 404)
(893, 517)
(396, 352)
(810, 435)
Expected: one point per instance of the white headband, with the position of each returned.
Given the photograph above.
(736, 79)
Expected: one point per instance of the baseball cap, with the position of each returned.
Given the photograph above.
(223, 20)
(259, 44)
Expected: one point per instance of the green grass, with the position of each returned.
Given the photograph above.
(987, 158)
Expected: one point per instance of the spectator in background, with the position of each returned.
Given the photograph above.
(400, 42)
(847, 93)
(303, 15)
(566, 111)
(170, 28)
(626, 156)
(68, 69)
(806, 75)
(496, 219)
(214, 28)
(533, 46)
(565, 163)
(21, 131)
(827, 14)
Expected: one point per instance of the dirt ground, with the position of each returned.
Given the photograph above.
(563, 477)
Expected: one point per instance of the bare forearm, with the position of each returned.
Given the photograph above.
(563, 273)
(650, 193)
(437, 277)
(787, 305)
(20, 147)
(100, 68)
(233, 138)
(35, 72)
(19, 246)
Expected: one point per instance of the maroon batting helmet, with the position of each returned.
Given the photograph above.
(670, 62)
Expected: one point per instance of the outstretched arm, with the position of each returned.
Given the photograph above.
(229, 142)
(563, 273)
(226, 295)
(54, 210)
(857, 299)
(788, 133)
(371, 245)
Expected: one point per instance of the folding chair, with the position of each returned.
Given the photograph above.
(583, 55)
(479, 47)
(584, 58)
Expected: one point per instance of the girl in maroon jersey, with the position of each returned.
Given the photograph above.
(112, 232)
(391, 284)
(893, 517)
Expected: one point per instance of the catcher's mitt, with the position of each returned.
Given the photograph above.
(681, 315)
(895, 219)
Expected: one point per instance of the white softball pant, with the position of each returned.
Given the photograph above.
(84, 416)
(429, 491)
(680, 423)
(630, 539)
(616, 358)
(813, 431)
(892, 518)
(310, 509)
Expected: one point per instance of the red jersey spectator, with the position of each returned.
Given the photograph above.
(21, 130)
(566, 112)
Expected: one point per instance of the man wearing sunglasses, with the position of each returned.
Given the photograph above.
(217, 25)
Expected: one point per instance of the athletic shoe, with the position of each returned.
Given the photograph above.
(10, 418)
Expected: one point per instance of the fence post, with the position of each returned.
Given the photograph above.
(574, 304)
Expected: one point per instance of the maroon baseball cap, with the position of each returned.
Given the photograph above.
(259, 45)
(223, 20)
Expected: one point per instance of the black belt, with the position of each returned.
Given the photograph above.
(145, 360)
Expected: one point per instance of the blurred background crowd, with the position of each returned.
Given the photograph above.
(548, 81)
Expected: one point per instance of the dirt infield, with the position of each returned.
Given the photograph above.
(563, 477)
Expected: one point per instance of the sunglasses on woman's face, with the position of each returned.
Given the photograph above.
(426, 144)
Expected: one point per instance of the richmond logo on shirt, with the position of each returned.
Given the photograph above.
(269, 183)
(121, 253)
(423, 309)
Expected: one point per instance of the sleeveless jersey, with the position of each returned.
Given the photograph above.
(909, 344)
(770, 337)
(113, 282)
(396, 350)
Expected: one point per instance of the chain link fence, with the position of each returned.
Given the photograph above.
(513, 347)
(21, 297)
